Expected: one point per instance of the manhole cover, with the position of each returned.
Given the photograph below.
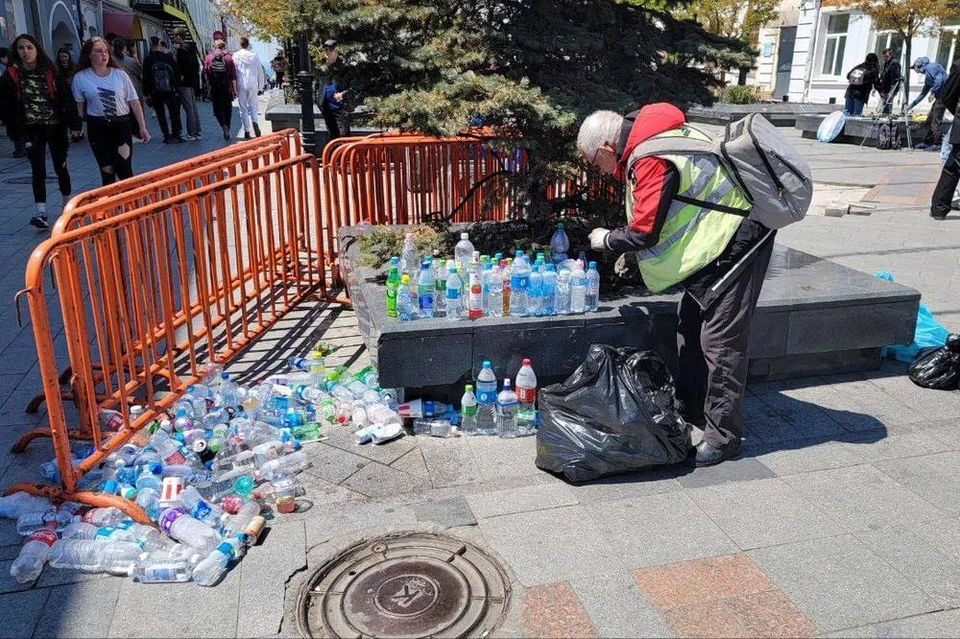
(416, 585)
(26, 179)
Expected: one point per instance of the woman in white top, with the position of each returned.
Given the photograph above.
(106, 96)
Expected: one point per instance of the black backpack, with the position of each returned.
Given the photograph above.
(217, 70)
(163, 76)
(888, 136)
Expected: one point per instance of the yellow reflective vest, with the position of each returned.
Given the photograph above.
(693, 233)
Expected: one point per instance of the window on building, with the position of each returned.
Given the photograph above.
(836, 43)
(947, 49)
(889, 40)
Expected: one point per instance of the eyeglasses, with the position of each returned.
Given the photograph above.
(593, 160)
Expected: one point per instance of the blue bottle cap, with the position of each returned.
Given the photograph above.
(592, 265)
(486, 364)
(550, 267)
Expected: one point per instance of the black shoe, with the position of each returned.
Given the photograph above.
(177, 140)
(19, 153)
(40, 221)
(246, 135)
(707, 454)
(226, 133)
(939, 218)
(256, 129)
(167, 139)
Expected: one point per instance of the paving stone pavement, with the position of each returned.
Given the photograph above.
(841, 519)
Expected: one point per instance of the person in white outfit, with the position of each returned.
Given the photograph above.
(251, 80)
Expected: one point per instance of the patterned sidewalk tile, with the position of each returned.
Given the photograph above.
(553, 610)
(724, 596)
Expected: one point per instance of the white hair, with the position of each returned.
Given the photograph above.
(600, 128)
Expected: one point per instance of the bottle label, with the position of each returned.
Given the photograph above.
(486, 396)
(453, 294)
(169, 517)
(227, 549)
(426, 299)
(202, 510)
(468, 410)
(161, 573)
(175, 459)
(526, 395)
(518, 282)
(45, 535)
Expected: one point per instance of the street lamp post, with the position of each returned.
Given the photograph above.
(308, 132)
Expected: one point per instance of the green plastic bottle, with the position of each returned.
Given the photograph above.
(393, 281)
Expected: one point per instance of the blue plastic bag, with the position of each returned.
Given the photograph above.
(928, 333)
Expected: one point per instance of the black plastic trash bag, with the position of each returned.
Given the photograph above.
(938, 367)
(614, 414)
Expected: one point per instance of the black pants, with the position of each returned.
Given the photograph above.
(712, 347)
(947, 185)
(338, 123)
(222, 105)
(37, 139)
(110, 140)
(165, 103)
(934, 123)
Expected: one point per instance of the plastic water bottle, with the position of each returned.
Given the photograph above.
(20, 503)
(409, 258)
(176, 523)
(494, 285)
(162, 569)
(89, 555)
(519, 281)
(526, 381)
(592, 300)
(194, 503)
(507, 411)
(455, 310)
(475, 297)
(393, 281)
(578, 290)
(181, 422)
(440, 289)
(228, 394)
(287, 465)
(486, 401)
(559, 244)
(563, 292)
(548, 291)
(463, 253)
(468, 411)
(425, 288)
(404, 302)
(535, 292)
(27, 523)
(505, 269)
(210, 570)
(234, 524)
(104, 517)
(29, 563)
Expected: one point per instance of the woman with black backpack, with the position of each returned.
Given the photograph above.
(220, 75)
(37, 98)
(861, 78)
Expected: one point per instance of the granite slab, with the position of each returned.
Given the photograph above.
(779, 113)
(814, 316)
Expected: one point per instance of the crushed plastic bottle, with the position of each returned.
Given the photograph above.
(29, 563)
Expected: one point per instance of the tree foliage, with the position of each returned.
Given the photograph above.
(529, 70)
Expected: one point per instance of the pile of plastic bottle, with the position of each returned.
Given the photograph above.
(472, 285)
(206, 474)
(507, 414)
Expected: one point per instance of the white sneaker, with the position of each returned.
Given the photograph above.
(189, 138)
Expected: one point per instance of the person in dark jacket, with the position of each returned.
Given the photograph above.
(950, 175)
(332, 94)
(220, 74)
(188, 63)
(718, 257)
(889, 80)
(161, 80)
(39, 100)
(8, 118)
(934, 77)
(861, 78)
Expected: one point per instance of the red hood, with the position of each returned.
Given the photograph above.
(651, 120)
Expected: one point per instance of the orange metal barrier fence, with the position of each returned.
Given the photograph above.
(151, 294)
(108, 201)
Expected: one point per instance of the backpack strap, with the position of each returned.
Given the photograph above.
(673, 145)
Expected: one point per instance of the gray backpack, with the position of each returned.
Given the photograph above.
(760, 160)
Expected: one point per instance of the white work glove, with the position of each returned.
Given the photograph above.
(598, 238)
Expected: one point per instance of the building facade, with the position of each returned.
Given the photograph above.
(806, 57)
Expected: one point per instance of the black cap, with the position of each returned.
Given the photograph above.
(330, 44)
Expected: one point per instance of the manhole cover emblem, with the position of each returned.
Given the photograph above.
(415, 585)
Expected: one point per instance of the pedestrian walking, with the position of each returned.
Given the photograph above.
(161, 78)
(279, 66)
(8, 119)
(945, 192)
(65, 65)
(251, 81)
(38, 100)
(718, 256)
(889, 80)
(861, 79)
(934, 77)
(105, 95)
(221, 76)
(333, 93)
(134, 70)
(188, 63)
